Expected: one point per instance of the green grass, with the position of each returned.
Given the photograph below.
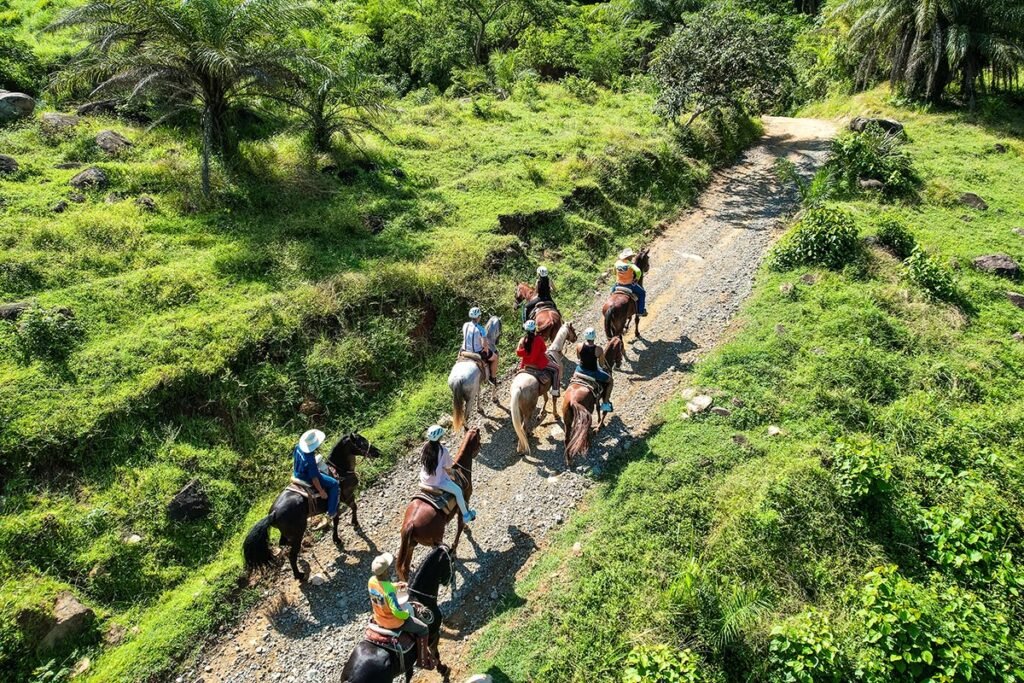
(903, 429)
(200, 329)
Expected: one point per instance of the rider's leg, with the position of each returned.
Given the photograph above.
(456, 490)
(556, 382)
(333, 493)
(528, 310)
(414, 627)
(492, 368)
(606, 389)
(641, 296)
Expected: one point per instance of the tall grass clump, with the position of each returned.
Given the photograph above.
(826, 237)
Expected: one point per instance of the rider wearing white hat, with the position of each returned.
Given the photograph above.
(629, 275)
(474, 340)
(305, 469)
(542, 292)
(387, 611)
(436, 470)
(592, 363)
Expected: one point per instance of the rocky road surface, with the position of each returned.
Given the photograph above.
(702, 268)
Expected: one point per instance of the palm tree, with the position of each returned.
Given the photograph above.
(200, 55)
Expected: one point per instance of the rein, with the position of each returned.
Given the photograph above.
(451, 580)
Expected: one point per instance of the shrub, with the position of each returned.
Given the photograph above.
(823, 237)
(20, 68)
(870, 155)
(894, 236)
(971, 542)
(49, 333)
(583, 89)
(861, 468)
(803, 650)
(924, 271)
(661, 664)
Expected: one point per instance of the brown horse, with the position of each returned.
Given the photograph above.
(549, 320)
(619, 308)
(578, 403)
(424, 524)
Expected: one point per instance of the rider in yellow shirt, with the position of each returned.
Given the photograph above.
(629, 275)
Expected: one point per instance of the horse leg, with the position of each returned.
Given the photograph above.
(636, 326)
(293, 558)
(458, 531)
(405, 554)
(334, 531)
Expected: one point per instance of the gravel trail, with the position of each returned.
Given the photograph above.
(702, 268)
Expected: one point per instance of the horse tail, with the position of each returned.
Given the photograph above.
(578, 442)
(460, 402)
(518, 422)
(256, 548)
(608, 321)
(405, 549)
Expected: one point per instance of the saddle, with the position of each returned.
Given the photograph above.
(544, 377)
(401, 643)
(626, 291)
(307, 491)
(441, 500)
(590, 383)
(476, 358)
(541, 306)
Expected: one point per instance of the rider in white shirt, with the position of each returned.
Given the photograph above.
(436, 467)
(474, 340)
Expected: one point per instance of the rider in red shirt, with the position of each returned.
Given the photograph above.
(534, 354)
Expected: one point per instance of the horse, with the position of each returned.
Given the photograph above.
(619, 308)
(465, 378)
(578, 403)
(549, 320)
(370, 663)
(289, 512)
(526, 390)
(423, 524)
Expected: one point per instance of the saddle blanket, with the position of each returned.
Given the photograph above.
(442, 501)
(543, 305)
(590, 383)
(627, 292)
(299, 487)
(474, 357)
(392, 642)
(542, 376)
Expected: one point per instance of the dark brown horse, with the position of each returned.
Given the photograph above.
(549, 320)
(619, 308)
(578, 402)
(423, 524)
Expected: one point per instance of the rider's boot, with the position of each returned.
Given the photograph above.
(469, 516)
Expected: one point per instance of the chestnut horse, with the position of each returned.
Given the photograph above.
(526, 391)
(424, 524)
(549, 320)
(577, 405)
(619, 308)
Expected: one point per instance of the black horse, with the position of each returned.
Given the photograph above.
(370, 663)
(289, 512)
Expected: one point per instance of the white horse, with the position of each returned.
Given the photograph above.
(465, 378)
(526, 390)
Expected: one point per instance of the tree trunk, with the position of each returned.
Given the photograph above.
(207, 143)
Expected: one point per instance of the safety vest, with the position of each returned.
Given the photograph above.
(627, 276)
(384, 604)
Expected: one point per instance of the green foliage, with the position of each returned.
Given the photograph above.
(938, 282)
(823, 237)
(804, 650)
(870, 155)
(49, 333)
(20, 69)
(581, 88)
(862, 468)
(661, 664)
(894, 235)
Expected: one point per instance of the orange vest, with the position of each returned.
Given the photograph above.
(627, 276)
(381, 596)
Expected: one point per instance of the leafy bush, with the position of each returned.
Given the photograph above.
(894, 235)
(862, 468)
(661, 664)
(49, 333)
(970, 541)
(870, 155)
(924, 271)
(823, 237)
(20, 68)
(581, 88)
(804, 650)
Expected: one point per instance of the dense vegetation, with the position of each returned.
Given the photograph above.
(309, 199)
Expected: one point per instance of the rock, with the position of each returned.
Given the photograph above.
(557, 433)
(774, 431)
(860, 124)
(76, 197)
(8, 164)
(480, 678)
(97, 108)
(974, 201)
(317, 580)
(494, 594)
(15, 105)
(997, 264)
(91, 178)
(871, 184)
(13, 311)
(71, 619)
(1000, 148)
(698, 404)
(146, 203)
(786, 289)
(780, 328)
(1016, 299)
(59, 207)
(808, 278)
(1017, 336)
(719, 410)
(1018, 231)
(559, 518)
(133, 539)
(112, 142)
(577, 548)
(190, 503)
(688, 393)
(114, 635)
(740, 440)
(445, 421)
(52, 122)
(81, 666)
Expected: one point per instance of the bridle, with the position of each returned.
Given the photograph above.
(451, 575)
(363, 452)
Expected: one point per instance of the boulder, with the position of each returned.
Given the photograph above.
(997, 264)
(860, 124)
(8, 164)
(190, 503)
(1017, 336)
(15, 105)
(146, 203)
(71, 619)
(1018, 231)
(698, 404)
(91, 178)
(1000, 148)
(317, 580)
(112, 142)
(1016, 299)
(12, 312)
(774, 431)
(97, 108)
(77, 197)
(974, 201)
(719, 410)
(871, 184)
(52, 122)
(59, 207)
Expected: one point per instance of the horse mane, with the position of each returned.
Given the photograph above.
(472, 436)
(613, 350)
(559, 341)
(429, 561)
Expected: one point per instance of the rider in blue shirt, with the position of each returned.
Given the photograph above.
(304, 467)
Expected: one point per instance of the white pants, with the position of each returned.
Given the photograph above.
(454, 489)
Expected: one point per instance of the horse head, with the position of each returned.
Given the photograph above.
(493, 330)
(524, 292)
(570, 336)
(613, 351)
(343, 455)
(469, 448)
(643, 260)
(437, 569)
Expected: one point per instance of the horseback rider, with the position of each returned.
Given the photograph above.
(306, 470)
(534, 354)
(629, 275)
(436, 470)
(387, 612)
(591, 361)
(474, 340)
(541, 293)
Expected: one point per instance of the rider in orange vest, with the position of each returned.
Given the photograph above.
(629, 275)
(387, 613)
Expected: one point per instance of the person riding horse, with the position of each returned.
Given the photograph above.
(591, 361)
(306, 470)
(436, 470)
(387, 612)
(474, 340)
(533, 352)
(542, 292)
(629, 276)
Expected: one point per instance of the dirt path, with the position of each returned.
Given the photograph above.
(702, 268)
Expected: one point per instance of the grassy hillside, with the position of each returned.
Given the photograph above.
(204, 335)
(879, 537)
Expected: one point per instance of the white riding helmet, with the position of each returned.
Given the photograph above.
(530, 326)
(474, 313)
(626, 253)
(311, 440)
(382, 564)
(435, 433)
(589, 334)
(542, 272)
